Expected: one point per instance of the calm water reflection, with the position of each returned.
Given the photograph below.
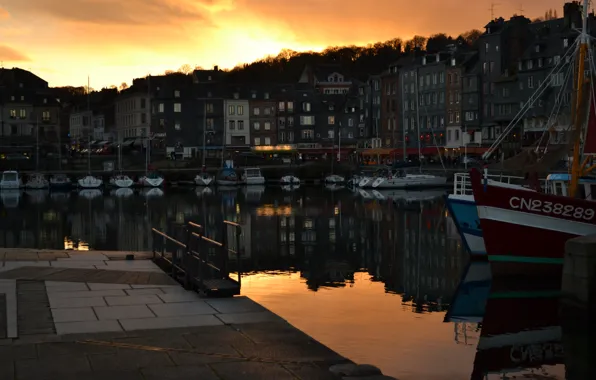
(369, 278)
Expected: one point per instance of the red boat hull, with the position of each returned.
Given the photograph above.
(524, 231)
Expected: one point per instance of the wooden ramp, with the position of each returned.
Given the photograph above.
(102, 276)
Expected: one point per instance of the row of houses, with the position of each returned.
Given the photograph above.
(461, 96)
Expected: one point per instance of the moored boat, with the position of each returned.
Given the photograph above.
(253, 176)
(90, 182)
(37, 181)
(289, 180)
(10, 180)
(401, 180)
(121, 181)
(203, 179)
(152, 179)
(60, 181)
(227, 177)
(334, 179)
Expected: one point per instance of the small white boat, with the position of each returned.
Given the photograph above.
(203, 179)
(151, 180)
(123, 192)
(10, 180)
(37, 181)
(334, 179)
(90, 182)
(289, 180)
(354, 181)
(366, 182)
(227, 177)
(60, 181)
(401, 181)
(252, 176)
(121, 181)
(90, 193)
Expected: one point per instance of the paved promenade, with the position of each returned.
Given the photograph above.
(93, 315)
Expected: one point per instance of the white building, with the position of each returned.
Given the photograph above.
(133, 117)
(237, 122)
(82, 123)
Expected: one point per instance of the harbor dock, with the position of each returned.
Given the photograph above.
(103, 315)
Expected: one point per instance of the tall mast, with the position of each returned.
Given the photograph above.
(88, 127)
(204, 127)
(418, 123)
(576, 167)
(37, 144)
(404, 116)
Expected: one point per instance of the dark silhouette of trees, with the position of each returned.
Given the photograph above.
(416, 43)
(123, 86)
(438, 42)
(471, 37)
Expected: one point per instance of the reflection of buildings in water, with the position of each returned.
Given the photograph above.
(331, 273)
(466, 333)
(75, 245)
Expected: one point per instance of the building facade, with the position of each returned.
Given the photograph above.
(263, 118)
(237, 120)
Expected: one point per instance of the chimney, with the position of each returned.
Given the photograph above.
(215, 68)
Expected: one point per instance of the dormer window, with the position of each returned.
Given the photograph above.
(520, 66)
(236, 95)
(330, 79)
(209, 78)
(331, 107)
(254, 95)
(22, 98)
(565, 42)
(537, 48)
(336, 78)
(45, 101)
(176, 93)
(423, 61)
(452, 61)
(20, 85)
(266, 95)
(12, 98)
(529, 64)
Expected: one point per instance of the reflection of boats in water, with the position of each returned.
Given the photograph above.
(90, 193)
(122, 192)
(471, 294)
(407, 196)
(365, 194)
(290, 187)
(60, 196)
(333, 186)
(253, 193)
(37, 196)
(202, 191)
(10, 198)
(521, 332)
(151, 192)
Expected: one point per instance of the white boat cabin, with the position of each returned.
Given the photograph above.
(558, 184)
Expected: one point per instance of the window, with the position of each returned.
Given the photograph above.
(177, 125)
(331, 134)
(23, 114)
(486, 47)
(308, 134)
(565, 42)
(236, 95)
(290, 106)
(254, 95)
(530, 82)
(232, 125)
(266, 95)
(231, 110)
(267, 141)
(457, 116)
(209, 107)
(557, 59)
(176, 93)
(143, 118)
(449, 135)
(45, 116)
(306, 106)
(505, 92)
(307, 120)
(529, 64)
(520, 66)
(161, 108)
(256, 126)
(257, 141)
(209, 123)
(540, 62)
(331, 120)
(177, 107)
(457, 135)
(281, 106)
(442, 77)
(256, 111)
(492, 67)
(13, 114)
(267, 110)
(350, 122)
(240, 110)
(267, 126)
(240, 125)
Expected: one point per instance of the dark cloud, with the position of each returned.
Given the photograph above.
(9, 54)
(120, 12)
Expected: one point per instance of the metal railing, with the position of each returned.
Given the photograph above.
(463, 186)
(201, 262)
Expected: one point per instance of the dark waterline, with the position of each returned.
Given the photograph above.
(369, 278)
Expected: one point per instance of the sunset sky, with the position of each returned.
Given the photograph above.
(114, 41)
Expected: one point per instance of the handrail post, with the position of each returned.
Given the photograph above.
(238, 261)
(223, 262)
(186, 259)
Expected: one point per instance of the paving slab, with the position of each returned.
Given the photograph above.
(175, 297)
(130, 359)
(256, 317)
(141, 292)
(85, 257)
(62, 286)
(241, 304)
(94, 286)
(251, 371)
(87, 294)
(8, 289)
(179, 372)
(133, 300)
(169, 322)
(74, 314)
(57, 303)
(123, 312)
(49, 368)
(182, 308)
(52, 349)
(87, 327)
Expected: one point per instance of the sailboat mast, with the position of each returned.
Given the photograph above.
(37, 144)
(88, 127)
(404, 116)
(576, 168)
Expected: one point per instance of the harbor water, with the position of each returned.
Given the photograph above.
(379, 277)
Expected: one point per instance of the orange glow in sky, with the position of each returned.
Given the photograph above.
(114, 41)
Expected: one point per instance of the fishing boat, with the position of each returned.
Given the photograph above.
(10, 180)
(227, 177)
(289, 180)
(121, 181)
(253, 176)
(60, 181)
(151, 179)
(550, 215)
(203, 179)
(401, 180)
